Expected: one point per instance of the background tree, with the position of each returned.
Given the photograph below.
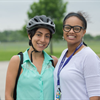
(88, 37)
(11, 36)
(97, 38)
(16, 35)
(55, 9)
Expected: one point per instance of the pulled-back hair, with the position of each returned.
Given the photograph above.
(78, 15)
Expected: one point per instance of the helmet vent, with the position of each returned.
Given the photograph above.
(29, 23)
(41, 18)
(35, 19)
(41, 21)
(47, 20)
(51, 22)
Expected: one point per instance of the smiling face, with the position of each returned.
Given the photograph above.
(71, 37)
(41, 39)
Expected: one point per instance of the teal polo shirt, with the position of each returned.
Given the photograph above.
(32, 85)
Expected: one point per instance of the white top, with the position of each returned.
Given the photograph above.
(80, 78)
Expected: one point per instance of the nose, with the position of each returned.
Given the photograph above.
(72, 30)
(42, 38)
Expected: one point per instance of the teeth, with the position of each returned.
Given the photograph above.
(71, 36)
(40, 44)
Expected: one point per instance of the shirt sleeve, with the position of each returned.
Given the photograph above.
(92, 74)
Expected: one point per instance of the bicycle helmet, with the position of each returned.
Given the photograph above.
(41, 21)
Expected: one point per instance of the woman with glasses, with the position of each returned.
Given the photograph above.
(77, 73)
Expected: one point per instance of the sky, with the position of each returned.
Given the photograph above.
(13, 13)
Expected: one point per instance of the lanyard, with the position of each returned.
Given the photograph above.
(61, 66)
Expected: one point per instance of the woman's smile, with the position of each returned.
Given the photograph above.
(40, 45)
(71, 37)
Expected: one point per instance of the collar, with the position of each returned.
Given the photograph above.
(26, 58)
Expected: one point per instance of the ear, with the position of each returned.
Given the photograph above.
(84, 31)
(29, 37)
(63, 32)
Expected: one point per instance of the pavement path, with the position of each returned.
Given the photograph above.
(3, 70)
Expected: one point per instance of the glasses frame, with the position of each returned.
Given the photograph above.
(72, 27)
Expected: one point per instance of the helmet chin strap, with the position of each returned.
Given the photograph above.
(34, 50)
(31, 56)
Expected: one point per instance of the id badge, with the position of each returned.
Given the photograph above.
(58, 94)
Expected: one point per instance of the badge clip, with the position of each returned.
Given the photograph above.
(58, 94)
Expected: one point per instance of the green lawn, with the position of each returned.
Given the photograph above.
(7, 50)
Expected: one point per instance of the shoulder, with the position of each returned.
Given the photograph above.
(15, 59)
(89, 57)
(89, 53)
(55, 60)
(64, 51)
(14, 64)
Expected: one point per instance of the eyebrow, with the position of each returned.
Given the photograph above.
(42, 33)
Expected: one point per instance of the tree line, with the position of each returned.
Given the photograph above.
(55, 9)
(14, 36)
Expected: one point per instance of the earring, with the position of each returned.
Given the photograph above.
(63, 37)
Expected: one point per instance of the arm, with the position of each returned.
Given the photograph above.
(92, 75)
(55, 60)
(11, 77)
(95, 98)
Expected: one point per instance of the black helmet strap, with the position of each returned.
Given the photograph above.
(34, 50)
(31, 56)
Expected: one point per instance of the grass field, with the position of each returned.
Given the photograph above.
(7, 50)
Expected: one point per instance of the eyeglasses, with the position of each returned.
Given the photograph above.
(76, 29)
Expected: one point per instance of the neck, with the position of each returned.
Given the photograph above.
(71, 48)
(35, 55)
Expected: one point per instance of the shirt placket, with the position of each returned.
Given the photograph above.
(41, 87)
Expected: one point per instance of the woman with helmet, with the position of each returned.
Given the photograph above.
(77, 73)
(36, 77)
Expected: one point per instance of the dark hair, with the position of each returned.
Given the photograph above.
(32, 32)
(79, 15)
